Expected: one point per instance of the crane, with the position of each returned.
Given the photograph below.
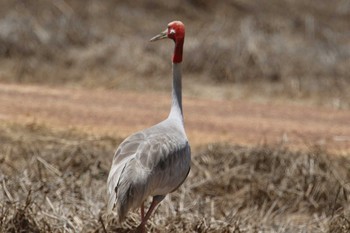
(155, 161)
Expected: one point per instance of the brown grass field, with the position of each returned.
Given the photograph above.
(55, 181)
(266, 102)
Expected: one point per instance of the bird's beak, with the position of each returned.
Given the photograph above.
(160, 36)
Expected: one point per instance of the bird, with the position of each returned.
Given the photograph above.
(155, 161)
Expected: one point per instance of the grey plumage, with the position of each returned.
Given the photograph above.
(155, 161)
(152, 162)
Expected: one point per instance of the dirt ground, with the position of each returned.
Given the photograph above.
(119, 113)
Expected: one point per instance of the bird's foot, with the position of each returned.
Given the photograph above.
(140, 229)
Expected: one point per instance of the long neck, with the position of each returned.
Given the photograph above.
(176, 106)
(177, 57)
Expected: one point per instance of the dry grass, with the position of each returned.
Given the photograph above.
(291, 49)
(54, 181)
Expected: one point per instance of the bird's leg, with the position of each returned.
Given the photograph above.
(142, 211)
(156, 200)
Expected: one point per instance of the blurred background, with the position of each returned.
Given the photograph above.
(263, 50)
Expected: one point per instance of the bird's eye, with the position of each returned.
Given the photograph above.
(172, 31)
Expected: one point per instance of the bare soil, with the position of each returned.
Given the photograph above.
(119, 113)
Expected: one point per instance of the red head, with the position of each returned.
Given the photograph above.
(176, 32)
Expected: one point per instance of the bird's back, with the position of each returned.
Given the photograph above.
(151, 162)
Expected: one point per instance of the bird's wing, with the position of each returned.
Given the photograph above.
(148, 161)
(123, 155)
(167, 157)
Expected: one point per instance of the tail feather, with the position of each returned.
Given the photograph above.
(125, 190)
(111, 201)
(124, 200)
(113, 181)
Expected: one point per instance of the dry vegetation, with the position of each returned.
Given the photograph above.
(54, 181)
(291, 49)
